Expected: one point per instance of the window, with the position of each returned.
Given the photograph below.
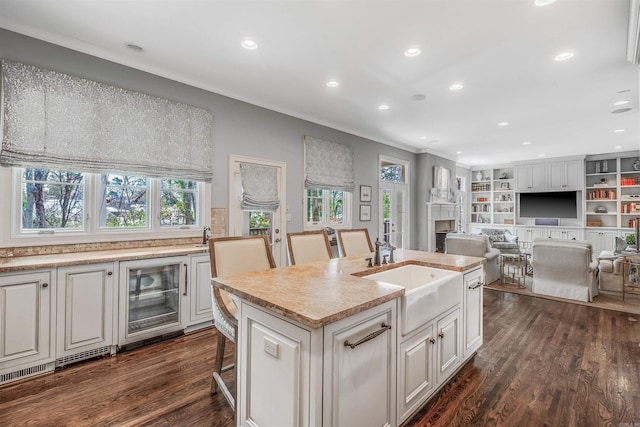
(52, 201)
(390, 172)
(178, 202)
(123, 201)
(327, 208)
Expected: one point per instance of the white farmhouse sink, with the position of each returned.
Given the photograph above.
(428, 292)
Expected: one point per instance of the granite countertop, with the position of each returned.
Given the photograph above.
(321, 293)
(23, 263)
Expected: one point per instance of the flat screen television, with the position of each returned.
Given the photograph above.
(561, 204)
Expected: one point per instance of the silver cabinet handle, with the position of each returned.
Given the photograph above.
(186, 279)
(383, 328)
(44, 285)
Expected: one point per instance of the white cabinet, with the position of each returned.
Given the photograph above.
(529, 234)
(416, 371)
(564, 234)
(276, 360)
(473, 291)
(360, 369)
(601, 240)
(86, 312)
(27, 324)
(531, 177)
(448, 345)
(565, 175)
(199, 291)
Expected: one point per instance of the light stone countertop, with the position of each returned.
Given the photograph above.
(26, 263)
(321, 293)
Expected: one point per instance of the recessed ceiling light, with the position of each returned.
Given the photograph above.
(526, 143)
(383, 107)
(333, 83)
(541, 155)
(543, 2)
(617, 147)
(458, 152)
(618, 131)
(621, 110)
(623, 102)
(503, 124)
(134, 47)
(249, 44)
(423, 138)
(412, 51)
(563, 56)
(456, 86)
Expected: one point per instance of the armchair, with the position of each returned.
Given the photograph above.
(564, 269)
(478, 246)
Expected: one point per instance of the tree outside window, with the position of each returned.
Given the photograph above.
(178, 202)
(52, 199)
(124, 201)
(326, 207)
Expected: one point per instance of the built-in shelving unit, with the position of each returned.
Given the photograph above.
(492, 196)
(612, 192)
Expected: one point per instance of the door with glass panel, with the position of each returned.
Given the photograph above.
(394, 202)
(256, 200)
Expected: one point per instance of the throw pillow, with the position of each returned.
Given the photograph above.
(621, 245)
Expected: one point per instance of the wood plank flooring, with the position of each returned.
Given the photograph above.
(543, 363)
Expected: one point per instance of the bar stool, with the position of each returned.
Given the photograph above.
(309, 246)
(354, 242)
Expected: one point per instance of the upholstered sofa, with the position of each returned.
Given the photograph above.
(478, 246)
(564, 269)
(502, 240)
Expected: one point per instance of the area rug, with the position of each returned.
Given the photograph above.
(607, 300)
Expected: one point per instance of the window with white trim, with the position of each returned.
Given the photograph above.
(327, 208)
(51, 201)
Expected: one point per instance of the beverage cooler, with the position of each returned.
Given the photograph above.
(151, 302)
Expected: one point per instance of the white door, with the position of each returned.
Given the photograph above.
(393, 215)
(246, 222)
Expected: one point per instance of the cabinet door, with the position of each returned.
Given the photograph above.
(523, 177)
(538, 177)
(360, 382)
(473, 291)
(274, 375)
(199, 290)
(557, 176)
(415, 372)
(573, 175)
(448, 340)
(85, 308)
(25, 319)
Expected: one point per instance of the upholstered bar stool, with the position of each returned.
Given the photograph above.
(354, 242)
(232, 255)
(309, 246)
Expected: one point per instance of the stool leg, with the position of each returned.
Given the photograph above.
(218, 362)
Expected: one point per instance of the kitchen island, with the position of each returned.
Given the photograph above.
(320, 344)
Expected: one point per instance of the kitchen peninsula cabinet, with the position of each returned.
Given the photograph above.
(199, 291)
(473, 293)
(86, 312)
(27, 324)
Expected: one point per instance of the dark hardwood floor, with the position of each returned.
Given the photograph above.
(543, 363)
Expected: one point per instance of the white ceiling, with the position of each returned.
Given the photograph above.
(502, 50)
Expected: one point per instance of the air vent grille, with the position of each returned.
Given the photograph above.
(67, 360)
(23, 373)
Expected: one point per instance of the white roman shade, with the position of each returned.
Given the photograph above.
(56, 120)
(328, 165)
(259, 187)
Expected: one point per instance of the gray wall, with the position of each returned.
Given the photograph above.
(239, 128)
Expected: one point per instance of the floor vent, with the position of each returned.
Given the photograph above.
(89, 354)
(24, 373)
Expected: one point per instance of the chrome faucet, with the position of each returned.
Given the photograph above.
(205, 236)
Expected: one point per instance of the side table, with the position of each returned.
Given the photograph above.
(513, 269)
